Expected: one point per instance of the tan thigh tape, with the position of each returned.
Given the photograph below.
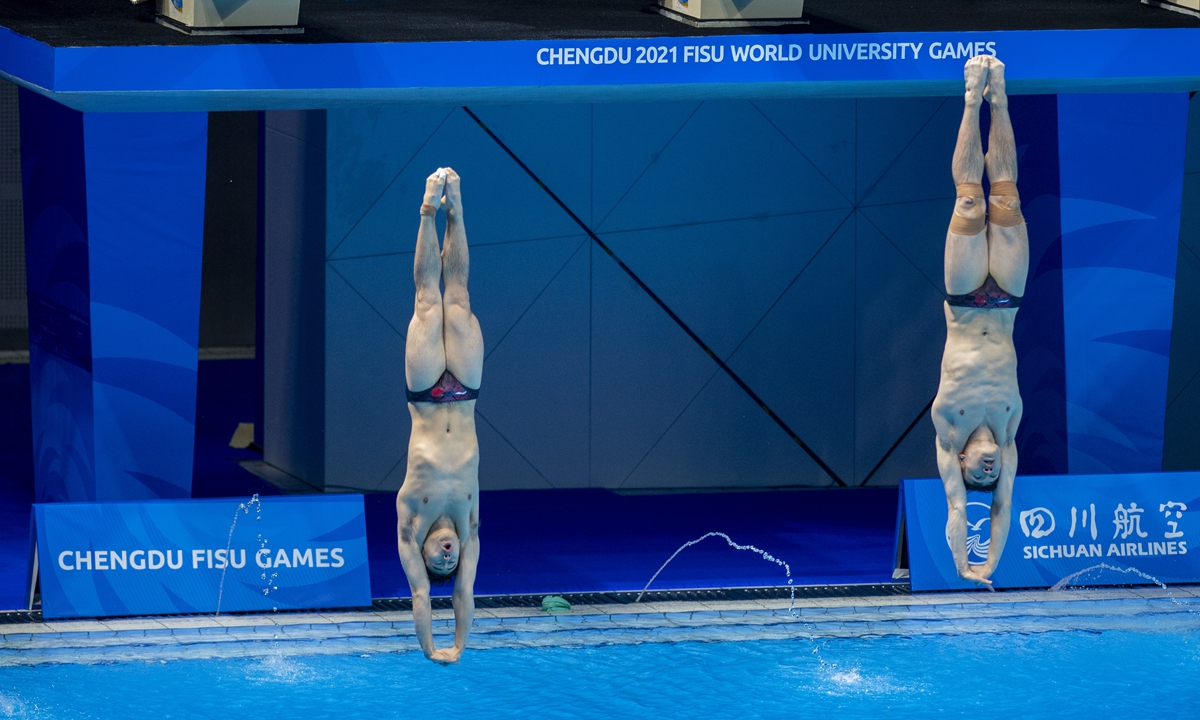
(960, 225)
(1003, 215)
(971, 190)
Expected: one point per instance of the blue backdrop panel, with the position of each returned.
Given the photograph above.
(58, 286)
(1121, 175)
(115, 216)
(145, 194)
(1135, 523)
(169, 557)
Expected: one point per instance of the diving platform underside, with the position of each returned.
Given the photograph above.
(100, 59)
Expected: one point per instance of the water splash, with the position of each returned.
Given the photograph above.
(836, 681)
(278, 667)
(765, 556)
(1062, 584)
(243, 508)
(1105, 566)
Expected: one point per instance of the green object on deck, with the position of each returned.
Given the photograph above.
(555, 604)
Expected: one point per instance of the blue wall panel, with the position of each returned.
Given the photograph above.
(627, 139)
(145, 198)
(741, 218)
(823, 132)
(726, 162)
(645, 373)
(115, 208)
(370, 148)
(1121, 192)
(554, 141)
(541, 369)
(899, 336)
(800, 357)
(722, 277)
(1038, 332)
(56, 261)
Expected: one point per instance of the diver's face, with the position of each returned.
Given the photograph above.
(980, 460)
(441, 550)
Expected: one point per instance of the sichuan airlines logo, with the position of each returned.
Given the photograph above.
(1037, 523)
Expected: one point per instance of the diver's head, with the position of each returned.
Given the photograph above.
(980, 458)
(440, 551)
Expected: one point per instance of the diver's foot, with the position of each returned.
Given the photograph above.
(975, 73)
(995, 93)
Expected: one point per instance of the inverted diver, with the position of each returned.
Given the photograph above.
(437, 507)
(978, 405)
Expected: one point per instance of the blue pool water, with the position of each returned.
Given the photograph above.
(1051, 674)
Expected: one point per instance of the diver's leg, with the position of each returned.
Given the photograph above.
(1008, 239)
(464, 341)
(424, 349)
(966, 240)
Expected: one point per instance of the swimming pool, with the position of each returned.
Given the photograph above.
(1104, 658)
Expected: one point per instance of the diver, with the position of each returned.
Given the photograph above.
(978, 405)
(437, 507)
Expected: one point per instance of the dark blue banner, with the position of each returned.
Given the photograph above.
(201, 556)
(1112, 529)
(286, 75)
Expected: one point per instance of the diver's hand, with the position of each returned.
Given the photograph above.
(453, 191)
(447, 656)
(977, 574)
(435, 186)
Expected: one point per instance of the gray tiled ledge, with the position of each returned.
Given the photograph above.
(387, 631)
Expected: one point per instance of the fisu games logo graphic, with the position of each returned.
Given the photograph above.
(178, 4)
(979, 532)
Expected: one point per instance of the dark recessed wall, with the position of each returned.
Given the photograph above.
(227, 288)
(1181, 450)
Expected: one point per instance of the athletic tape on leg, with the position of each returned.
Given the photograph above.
(999, 213)
(960, 225)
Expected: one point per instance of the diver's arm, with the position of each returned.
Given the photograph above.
(1001, 507)
(464, 592)
(956, 505)
(418, 584)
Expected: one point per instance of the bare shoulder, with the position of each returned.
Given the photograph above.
(944, 419)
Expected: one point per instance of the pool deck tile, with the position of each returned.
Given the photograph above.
(931, 613)
(353, 616)
(182, 623)
(129, 624)
(76, 626)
